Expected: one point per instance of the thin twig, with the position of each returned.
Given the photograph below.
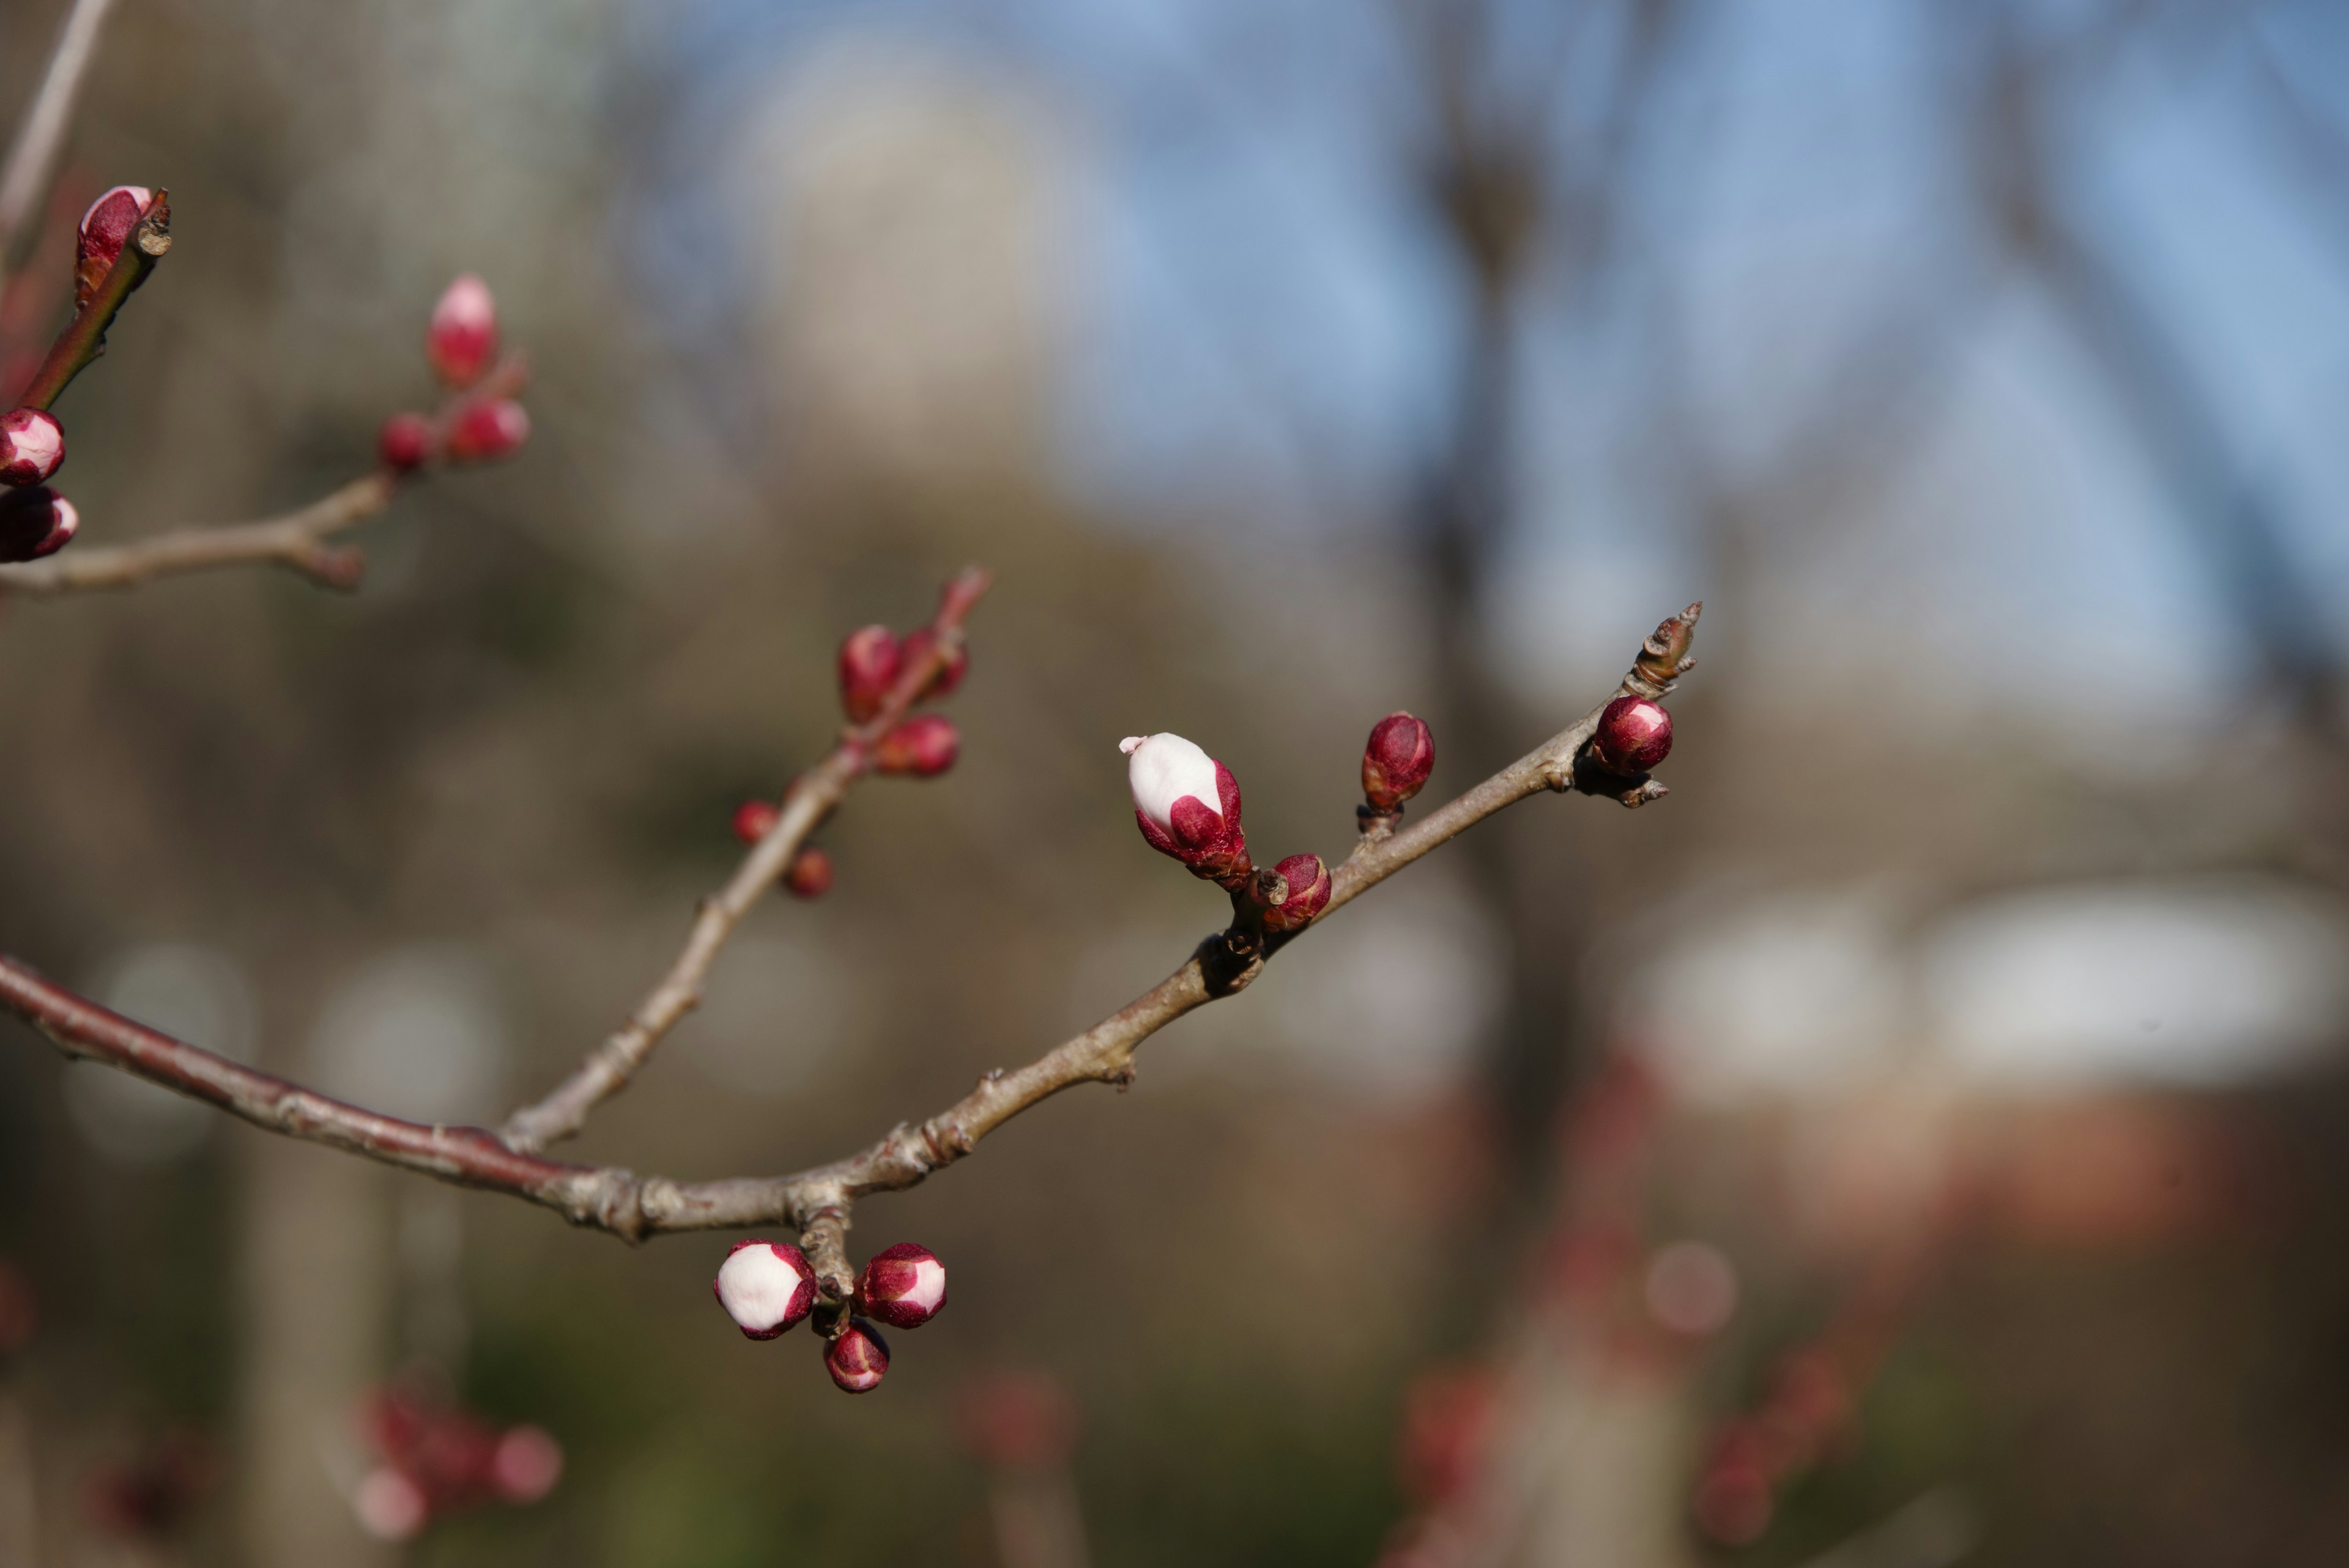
(33, 157)
(816, 1202)
(811, 798)
(297, 540)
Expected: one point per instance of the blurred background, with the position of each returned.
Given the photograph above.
(1923, 1139)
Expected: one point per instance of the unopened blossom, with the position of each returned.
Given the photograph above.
(1187, 802)
(1396, 761)
(765, 1287)
(1634, 734)
(487, 429)
(904, 1286)
(405, 443)
(923, 746)
(34, 521)
(463, 336)
(105, 229)
(32, 445)
(870, 658)
(858, 1358)
(810, 876)
(1308, 893)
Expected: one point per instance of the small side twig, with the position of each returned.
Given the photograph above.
(297, 540)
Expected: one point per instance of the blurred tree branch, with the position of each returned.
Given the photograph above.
(33, 157)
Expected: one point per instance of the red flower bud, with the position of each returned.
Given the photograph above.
(1187, 804)
(405, 443)
(105, 228)
(870, 658)
(35, 522)
(810, 876)
(905, 1287)
(463, 333)
(765, 1287)
(1309, 894)
(32, 445)
(916, 648)
(753, 819)
(1396, 762)
(1634, 735)
(858, 1358)
(923, 745)
(488, 429)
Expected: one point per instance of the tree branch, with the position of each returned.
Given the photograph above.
(33, 157)
(816, 1202)
(810, 799)
(297, 539)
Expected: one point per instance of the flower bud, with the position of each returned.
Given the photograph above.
(810, 876)
(1634, 734)
(1396, 762)
(916, 648)
(105, 228)
(488, 429)
(32, 445)
(754, 818)
(405, 443)
(1187, 802)
(870, 658)
(904, 1286)
(390, 1504)
(35, 522)
(765, 1287)
(923, 745)
(463, 333)
(858, 1358)
(527, 1464)
(1309, 894)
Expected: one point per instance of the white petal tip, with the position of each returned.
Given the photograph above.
(1130, 742)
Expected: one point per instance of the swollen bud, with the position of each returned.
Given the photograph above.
(463, 333)
(870, 658)
(925, 746)
(810, 876)
(1309, 894)
(916, 649)
(858, 1358)
(35, 522)
(904, 1286)
(765, 1287)
(488, 429)
(753, 819)
(105, 229)
(1396, 762)
(32, 445)
(1187, 804)
(405, 443)
(1634, 734)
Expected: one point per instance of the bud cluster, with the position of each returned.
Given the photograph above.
(432, 1460)
(479, 421)
(873, 661)
(810, 875)
(768, 1286)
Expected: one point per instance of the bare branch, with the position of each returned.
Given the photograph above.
(33, 157)
(297, 539)
(816, 1202)
(810, 799)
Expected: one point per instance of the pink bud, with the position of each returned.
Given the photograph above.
(1634, 735)
(390, 1505)
(105, 228)
(753, 819)
(35, 522)
(526, 1465)
(405, 443)
(810, 876)
(488, 429)
(905, 1287)
(1396, 762)
(765, 1287)
(917, 648)
(463, 335)
(858, 1358)
(32, 445)
(1187, 802)
(1309, 894)
(870, 658)
(923, 745)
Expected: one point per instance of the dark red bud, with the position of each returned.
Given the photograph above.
(1396, 762)
(35, 522)
(488, 429)
(870, 658)
(1308, 893)
(858, 1358)
(903, 1287)
(916, 648)
(924, 745)
(753, 819)
(1634, 735)
(463, 335)
(405, 443)
(32, 445)
(105, 229)
(810, 876)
